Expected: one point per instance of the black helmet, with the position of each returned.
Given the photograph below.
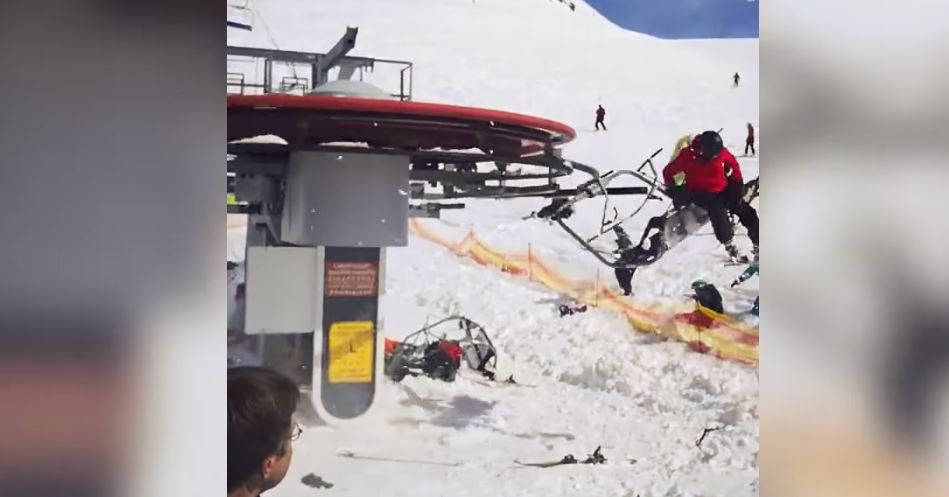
(708, 145)
(707, 295)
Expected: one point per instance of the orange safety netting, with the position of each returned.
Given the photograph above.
(703, 330)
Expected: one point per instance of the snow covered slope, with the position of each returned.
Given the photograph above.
(596, 381)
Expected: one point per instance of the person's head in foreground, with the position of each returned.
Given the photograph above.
(260, 427)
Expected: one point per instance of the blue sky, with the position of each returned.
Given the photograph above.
(684, 18)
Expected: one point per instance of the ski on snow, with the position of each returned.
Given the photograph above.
(595, 458)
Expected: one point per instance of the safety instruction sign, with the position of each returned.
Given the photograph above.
(350, 352)
(352, 279)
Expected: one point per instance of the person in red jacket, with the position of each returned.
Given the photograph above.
(707, 174)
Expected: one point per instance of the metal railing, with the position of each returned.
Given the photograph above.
(260, 77)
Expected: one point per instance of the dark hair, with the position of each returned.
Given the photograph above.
(260, 406)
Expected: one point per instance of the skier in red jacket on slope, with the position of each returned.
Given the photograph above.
(707, 174)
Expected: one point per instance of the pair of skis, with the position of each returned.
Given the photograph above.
(595, 458)
(509, 382)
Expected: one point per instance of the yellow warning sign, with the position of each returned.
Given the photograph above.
(350, 352)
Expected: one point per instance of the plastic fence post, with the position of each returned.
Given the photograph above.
(596, 289)
(530, 268)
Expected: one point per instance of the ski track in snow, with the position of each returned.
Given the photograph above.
(597, 382)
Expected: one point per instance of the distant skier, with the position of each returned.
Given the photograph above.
(600, 116)
(750, 140)
(707, 175)
(736, 77)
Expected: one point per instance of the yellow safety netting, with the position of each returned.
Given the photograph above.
(703, 330)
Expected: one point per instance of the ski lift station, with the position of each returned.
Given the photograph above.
(351, 164)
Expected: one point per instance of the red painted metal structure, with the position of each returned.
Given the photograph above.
(311, 120)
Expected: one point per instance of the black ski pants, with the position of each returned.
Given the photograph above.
(718, 205)
(750, 142)
(599, 122)
(624, 276)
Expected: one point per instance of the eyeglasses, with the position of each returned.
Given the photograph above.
(295, 432)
